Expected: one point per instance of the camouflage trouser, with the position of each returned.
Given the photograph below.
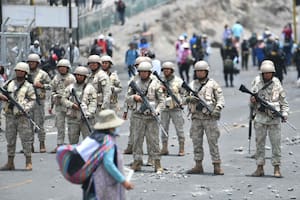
(38, 116)
(115, 107)
(131, 130)
(210, 128)
(18, 125)
(145, 126)
(60, 120)
(75, 127)
(177, 119)
(261, 131)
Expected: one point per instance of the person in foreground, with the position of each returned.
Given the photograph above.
(96, 162)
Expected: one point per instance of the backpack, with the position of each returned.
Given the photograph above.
(228, 64)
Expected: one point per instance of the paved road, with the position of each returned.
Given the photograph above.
(46, 183)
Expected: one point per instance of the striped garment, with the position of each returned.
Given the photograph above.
(63, 157)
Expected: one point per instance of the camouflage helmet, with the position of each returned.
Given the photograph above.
(94, 59)
(106, 58)
(267, 66)
(22, 66)
(33, 57)
(140, 59)
(201, 65)
(168, 65)
(144, 66)
(81, 71)
(64, 63)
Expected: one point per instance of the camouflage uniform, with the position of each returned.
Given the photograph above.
(88, 97)
(16, 122)
(265, 122)
(38, 112)
(59, 84)
(100, 80)
(144, 123)
(204, 122)
(173, 111)
(116, 88)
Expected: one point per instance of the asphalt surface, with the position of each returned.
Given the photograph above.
(46, 183)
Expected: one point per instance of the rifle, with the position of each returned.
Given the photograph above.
(265, 105)
(201, 100)
(19, 107)
(250, 128)
(169, 91)
(30, 80)
(73, 92)
(134, 86)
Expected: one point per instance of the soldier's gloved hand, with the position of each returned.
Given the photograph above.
(216, 113)
(192, 99)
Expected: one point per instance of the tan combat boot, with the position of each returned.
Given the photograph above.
(164, 150)
(28, 166)
(157, 166)
(9, 165)
(277, 173)
(128, 150)
(137, 165)
(217, 169)
(259, 171)
(150, 161)
(42, 147)
(198, 169)
(32, 148)
(181, 149)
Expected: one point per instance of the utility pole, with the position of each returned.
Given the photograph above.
(294, 20)
(70, 33)
(1, 21)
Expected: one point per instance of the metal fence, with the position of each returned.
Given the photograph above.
(102, 18)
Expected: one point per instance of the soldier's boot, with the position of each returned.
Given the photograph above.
(181, 149)
(164, 150)
(259, 171)
(136, 165)
(42, 147)
(277, 173)
(198, 169)
(32, 148)
(128, 150)
(157, 166)
(9, 165)
(217, 169)
(150, 161)
(28, 166)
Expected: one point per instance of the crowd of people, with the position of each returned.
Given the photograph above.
(86, 100)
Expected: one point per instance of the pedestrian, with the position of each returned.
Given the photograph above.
(95, 48)
(96, 162)
(260, 50)
(35, 48)
(3, 79)
(145, 123)
(110, 44)
(87, 96)
(172, 111)
(237, 33)
(206, 47)
(202, 120)
(154, 61)
(102, 44)
(185, 62)
(41, 83)
(252, 44)
(130, 56)
(100, 80)
(296, 59)
(116, 87)
(245, 53)
(58, 51)
(269, 88)
(229, 53)
(61, 80)
(121, 7)
(227, 33)
(16, 122)
(74, 56)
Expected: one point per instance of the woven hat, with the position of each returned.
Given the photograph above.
(107, 119)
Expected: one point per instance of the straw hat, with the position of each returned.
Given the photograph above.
(107, 119)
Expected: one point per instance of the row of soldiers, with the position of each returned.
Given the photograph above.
(153, 100)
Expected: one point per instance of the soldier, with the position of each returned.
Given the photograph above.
(16, 122)
(128, 149)
(202, 120)
(172, 110)
(59, 84)
(116, 86)
(88, 97)
(145, 123)
(269, 89)
(41, 82)
(100, 80)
